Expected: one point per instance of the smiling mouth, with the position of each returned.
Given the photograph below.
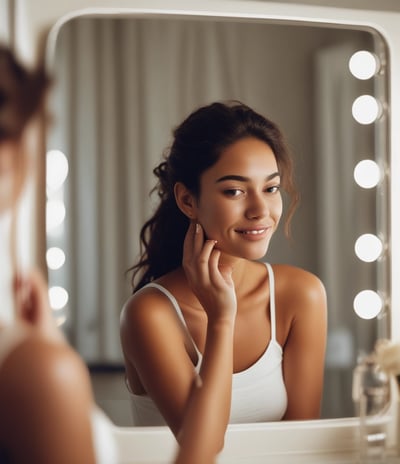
(252, 231)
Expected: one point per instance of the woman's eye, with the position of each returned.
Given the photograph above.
(273, 189)
(233, 192)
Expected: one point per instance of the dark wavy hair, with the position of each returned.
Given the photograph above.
(21, 94)
(198, 142)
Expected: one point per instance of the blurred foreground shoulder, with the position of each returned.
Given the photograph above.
(39, 361)
(46, 402)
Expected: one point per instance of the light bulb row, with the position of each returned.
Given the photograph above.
(366, 109)
(56, 175)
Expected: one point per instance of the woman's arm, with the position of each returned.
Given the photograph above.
(304, 350)
(207, 413)
(154, 344)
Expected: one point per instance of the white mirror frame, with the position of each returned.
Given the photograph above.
(37, 25)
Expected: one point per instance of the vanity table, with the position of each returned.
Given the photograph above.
(277, 443)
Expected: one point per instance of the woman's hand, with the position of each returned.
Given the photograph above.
(209, 280)
(32, 304)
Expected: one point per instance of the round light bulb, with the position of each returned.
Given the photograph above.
(55, 258)
(363, 64)
(367, 304)
(56, 169)
(366, 109)
(58, 297)
(368, 247)
(55, 214)
(367, 174)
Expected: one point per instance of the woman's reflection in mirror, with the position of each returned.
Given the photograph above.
(205, 308)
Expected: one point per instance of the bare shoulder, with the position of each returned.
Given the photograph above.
(48, 385)
(43, 375)
(298, 286)
(39, 362)
(148, 323)
(147, 306)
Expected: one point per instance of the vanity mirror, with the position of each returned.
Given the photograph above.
(358, 210)
(122, 84)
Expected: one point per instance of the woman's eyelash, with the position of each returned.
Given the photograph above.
(232, 192)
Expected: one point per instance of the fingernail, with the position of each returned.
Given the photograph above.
(197, 227)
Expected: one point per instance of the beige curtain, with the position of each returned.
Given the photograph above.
(5, 21)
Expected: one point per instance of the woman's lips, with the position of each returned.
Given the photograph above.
(254, 233)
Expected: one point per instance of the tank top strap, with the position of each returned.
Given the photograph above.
(272, 300)
(178, 310)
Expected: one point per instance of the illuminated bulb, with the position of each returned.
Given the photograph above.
(363, 65)
(56, 169)
(366, 109)
(55, 258)
(367, 174)
(58, 297)
(367, 304)
(368, 247)
(55, 214)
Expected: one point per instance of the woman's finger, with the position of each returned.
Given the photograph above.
(219, 274)
(188, 242)
(32, 297)
(198, 238)
(198, 270)
(205, 253)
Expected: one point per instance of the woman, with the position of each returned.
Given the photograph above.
(200, 277)
(47, 412)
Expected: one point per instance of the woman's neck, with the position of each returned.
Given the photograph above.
(240, 267)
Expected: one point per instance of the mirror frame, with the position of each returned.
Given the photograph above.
(37, 25)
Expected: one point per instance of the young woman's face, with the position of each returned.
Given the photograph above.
(240, 203)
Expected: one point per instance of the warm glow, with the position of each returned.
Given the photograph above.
(56, 169)
(368, 247)
(367, 174)
(55, 214)
(363, 65)
(55, 258)
(366, 109)
(367, 304)
(58, 297)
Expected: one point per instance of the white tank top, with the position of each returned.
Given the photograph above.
(258, 392)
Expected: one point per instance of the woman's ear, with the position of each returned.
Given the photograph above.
(185, 200)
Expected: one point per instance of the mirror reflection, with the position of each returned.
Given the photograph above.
(122, 85)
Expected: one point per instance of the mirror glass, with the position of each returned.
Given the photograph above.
(122, 85)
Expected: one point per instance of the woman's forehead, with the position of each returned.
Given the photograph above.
(249, 157)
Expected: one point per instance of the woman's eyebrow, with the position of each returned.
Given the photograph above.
(245, 179)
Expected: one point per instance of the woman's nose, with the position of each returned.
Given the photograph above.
(257, 207)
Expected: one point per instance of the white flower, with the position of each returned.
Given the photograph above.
(388, 356)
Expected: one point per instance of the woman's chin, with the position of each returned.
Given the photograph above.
(250, 253)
